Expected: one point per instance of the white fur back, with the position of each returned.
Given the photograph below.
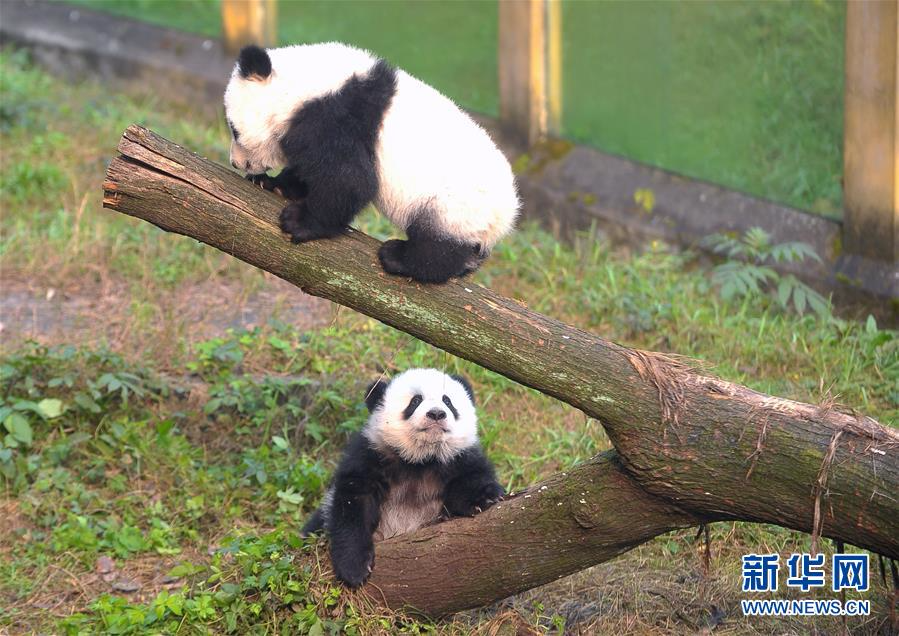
(431, 153)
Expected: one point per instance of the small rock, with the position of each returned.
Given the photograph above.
(104, 565)
(126, 585)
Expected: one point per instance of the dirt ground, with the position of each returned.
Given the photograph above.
(91, 311)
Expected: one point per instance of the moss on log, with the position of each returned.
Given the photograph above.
(690, 447)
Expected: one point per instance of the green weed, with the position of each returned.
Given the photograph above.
(746, 272)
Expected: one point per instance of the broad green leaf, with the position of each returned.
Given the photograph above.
(871, 325)
(804, 250)
(185, 569)
(50, 408)
(280, 442)
(86, 402)
(175, 603)
(765, 274)
(317, 629)
(278, 343)
(728, 290)
(25, 405)
(799, 300)
(819, 304)
(783, 290)
(19, 428)
(290, 496)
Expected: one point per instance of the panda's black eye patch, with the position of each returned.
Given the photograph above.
(413, 404)
(449, 405)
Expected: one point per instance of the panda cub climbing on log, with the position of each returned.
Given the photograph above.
(348, 129)
(416, 460)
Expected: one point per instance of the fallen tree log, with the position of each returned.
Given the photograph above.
(689, 448)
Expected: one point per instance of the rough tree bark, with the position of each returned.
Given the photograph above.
(689, 448)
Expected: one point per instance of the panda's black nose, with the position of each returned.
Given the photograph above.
(436, 414)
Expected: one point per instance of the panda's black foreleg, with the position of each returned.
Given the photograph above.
(354, 517)
(288, 184)
(472, 487)
(471, 494)
(355, 511)
(427, 257)
(325, 212)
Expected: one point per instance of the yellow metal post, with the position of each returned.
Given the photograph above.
(530, 59)
(249, 22)
(871, 130)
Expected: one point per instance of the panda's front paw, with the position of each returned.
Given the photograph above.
(263, 181)
(353, 567)
(489, 495)
(391, 256)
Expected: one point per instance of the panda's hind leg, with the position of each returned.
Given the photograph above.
(427, 257)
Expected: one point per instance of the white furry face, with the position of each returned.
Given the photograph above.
(425, 414)
(255, 130)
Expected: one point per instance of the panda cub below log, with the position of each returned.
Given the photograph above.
(416, 460)
(349, 129)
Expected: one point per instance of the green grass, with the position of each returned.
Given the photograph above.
(745, 94)
(57, 139)
(192, 465)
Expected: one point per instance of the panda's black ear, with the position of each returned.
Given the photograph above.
(374, 395)
(466, 385)
(254, 62)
